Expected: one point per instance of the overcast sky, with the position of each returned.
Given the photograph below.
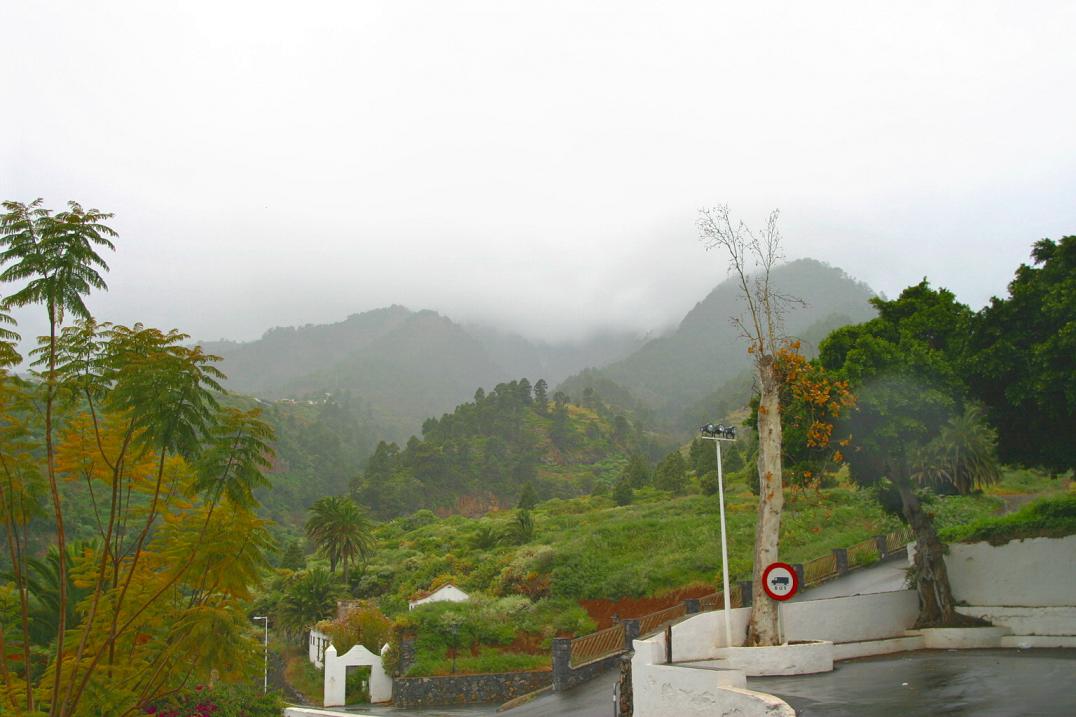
(536, 165)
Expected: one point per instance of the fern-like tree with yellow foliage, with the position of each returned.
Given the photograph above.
(130, 414)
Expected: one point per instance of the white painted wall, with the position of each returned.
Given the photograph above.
(1029, 620)
(667, 691)
(336, 675)
(1038, 572)
(696, 637)
(848, 619)
(961, 638)
(317, 642)
(805, 658)
(445, 593)
(851, 619)
(661, 690)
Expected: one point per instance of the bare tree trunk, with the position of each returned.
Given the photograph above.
(937, 607)
(762, 629)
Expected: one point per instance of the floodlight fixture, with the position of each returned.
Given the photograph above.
(718, 431)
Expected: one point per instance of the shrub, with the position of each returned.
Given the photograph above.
(363, 625)
(218, 701)
(527, 573)
(1053, 517)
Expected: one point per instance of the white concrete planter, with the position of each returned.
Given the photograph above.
(960, 638)
(802, 658)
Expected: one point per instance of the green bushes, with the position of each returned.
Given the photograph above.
(1053, 517)
(364, 625)
(489, 634)
(220, 701)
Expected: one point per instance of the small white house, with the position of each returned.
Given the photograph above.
(446, 593)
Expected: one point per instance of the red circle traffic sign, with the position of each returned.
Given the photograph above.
(780, 581)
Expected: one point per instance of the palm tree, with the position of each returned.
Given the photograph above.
(968, 450)
(963, 456)
(341, 529)
(308, 597)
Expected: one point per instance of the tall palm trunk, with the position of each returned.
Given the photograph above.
(763, 628)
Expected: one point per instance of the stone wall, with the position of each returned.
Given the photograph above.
(467, 689)
(575, 676)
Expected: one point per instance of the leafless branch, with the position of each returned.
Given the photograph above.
(752, 257)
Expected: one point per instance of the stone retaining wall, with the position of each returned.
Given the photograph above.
(466, 689)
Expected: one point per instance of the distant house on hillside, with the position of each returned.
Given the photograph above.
(446, 593)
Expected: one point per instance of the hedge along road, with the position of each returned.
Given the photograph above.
(949, 682)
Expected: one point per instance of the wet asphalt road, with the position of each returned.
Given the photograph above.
(967, 682)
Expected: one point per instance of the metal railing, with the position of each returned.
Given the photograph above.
(820, 569)
(713, 601)
(597, 645)
(653, 622)
(898, 539)
(863, 553)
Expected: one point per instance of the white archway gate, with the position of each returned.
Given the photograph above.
(336, 674)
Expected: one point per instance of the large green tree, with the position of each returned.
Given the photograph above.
(902, 367)
(670, 473)
(1021, 360)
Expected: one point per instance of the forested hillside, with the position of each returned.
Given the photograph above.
(484, 454)
(403, 365)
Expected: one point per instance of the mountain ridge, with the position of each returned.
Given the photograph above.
(406, 366)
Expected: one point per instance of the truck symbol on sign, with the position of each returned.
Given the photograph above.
(775, 581)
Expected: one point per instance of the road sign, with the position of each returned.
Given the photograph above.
(780, 581)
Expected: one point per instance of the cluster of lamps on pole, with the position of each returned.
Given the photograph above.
(717, 433)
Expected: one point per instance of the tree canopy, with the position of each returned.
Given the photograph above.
(1020, 360)
(126, 419)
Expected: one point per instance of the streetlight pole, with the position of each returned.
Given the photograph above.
(717, 434)
(265, 654)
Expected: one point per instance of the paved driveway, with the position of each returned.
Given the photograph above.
(950, 682)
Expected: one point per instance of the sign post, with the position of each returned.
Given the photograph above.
(780, 581)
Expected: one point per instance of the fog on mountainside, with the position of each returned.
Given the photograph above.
(673, 373)
(400, 366)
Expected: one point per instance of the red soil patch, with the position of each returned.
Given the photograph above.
(602, 611)
(528, 643)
